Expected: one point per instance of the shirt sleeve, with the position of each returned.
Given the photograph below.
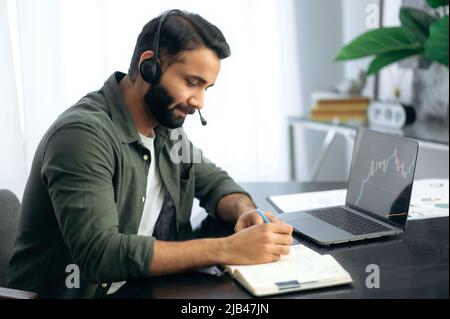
(212, 183)
(78, 169)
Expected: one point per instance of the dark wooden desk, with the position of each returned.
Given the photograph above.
(412, 265)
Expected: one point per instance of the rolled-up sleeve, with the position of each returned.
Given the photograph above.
(212, 183)
(78, 169)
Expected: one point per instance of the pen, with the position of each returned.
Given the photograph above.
(264, 217)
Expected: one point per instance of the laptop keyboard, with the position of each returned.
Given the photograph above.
(348, 221)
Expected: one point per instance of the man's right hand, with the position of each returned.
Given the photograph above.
(258, 244)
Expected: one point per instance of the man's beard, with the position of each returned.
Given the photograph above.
(158, 101)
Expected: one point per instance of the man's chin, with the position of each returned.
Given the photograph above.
(170, 121)
(173, 124)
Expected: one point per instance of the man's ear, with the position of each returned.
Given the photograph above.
(147, 55)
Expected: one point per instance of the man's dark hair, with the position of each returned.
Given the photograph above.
(181, 31)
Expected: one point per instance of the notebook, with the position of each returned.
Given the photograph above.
(302, 269)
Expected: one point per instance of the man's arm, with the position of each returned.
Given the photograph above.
(216, 190)
(231, 207)
(78, 177)
(223, 198)
(240, 210)
(254, 245)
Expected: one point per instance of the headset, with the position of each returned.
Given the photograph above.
(150, 69)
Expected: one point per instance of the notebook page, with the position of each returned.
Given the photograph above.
(302, 264)
(299, 250)
(304, 269)
(268, 274)
(316, 269)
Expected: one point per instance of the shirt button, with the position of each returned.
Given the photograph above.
(143, 198)
(145, 157)
(104, 285)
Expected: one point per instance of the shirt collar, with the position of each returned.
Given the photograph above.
(120, 115)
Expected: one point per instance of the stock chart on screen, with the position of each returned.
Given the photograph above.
(382, 174)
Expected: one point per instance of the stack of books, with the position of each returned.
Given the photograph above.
(346, 110)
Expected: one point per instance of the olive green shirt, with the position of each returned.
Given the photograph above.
(86, 192)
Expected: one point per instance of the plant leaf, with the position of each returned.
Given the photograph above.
(379, 41)
(388, 58)
(417, 21)
(437, 3)
(436, 47)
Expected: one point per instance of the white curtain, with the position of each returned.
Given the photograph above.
(12, 150)
(70, 47)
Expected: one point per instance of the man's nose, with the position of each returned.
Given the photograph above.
(196, 102)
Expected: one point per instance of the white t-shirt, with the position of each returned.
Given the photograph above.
(155, 192)
(153, 202)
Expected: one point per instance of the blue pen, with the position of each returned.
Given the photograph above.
(264, 217)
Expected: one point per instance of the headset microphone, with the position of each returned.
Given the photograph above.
(202, 119)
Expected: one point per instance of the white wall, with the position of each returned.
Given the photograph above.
(319, 37)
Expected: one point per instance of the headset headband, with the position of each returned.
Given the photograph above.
(158, 33)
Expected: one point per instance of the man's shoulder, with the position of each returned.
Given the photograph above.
(90, 112)
(92, 109)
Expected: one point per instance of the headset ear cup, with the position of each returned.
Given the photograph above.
(148, 71)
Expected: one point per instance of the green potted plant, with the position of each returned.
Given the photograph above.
(420, 33)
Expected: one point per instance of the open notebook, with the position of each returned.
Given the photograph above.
(302, 269)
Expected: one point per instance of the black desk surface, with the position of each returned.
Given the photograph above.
(412, 265)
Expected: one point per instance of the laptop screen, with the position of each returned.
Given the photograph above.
(381, 176)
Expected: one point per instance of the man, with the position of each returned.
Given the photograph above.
(105, 194)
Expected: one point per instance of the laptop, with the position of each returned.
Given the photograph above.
(378, 193)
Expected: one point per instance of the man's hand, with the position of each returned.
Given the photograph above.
(251, 217)
(258, 244)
